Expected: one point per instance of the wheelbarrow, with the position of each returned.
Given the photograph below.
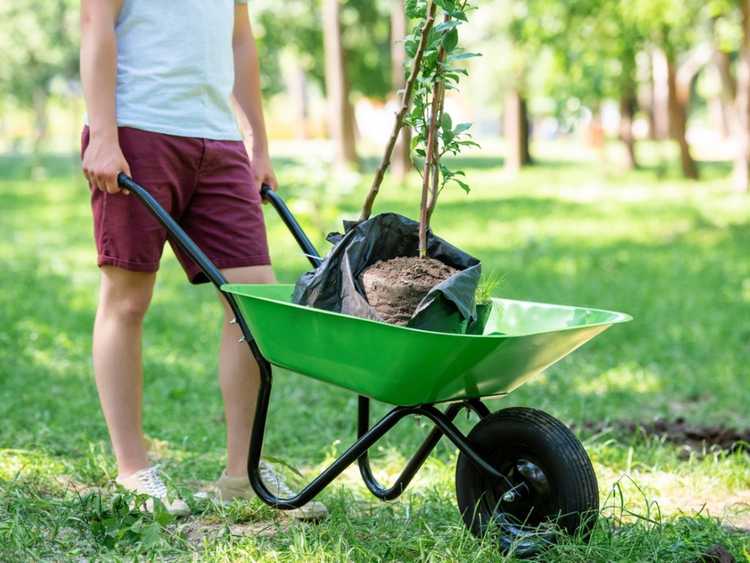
(522, 476)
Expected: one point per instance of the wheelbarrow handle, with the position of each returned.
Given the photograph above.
(294, 227)
(192, 249)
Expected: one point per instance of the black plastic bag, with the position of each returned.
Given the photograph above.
(335, 286)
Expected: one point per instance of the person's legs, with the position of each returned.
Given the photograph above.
(239, 377)
(124, 297)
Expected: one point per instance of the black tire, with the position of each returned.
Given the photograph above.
(548, 472)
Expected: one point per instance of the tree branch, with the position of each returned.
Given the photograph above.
(430, 163)
(405, 103)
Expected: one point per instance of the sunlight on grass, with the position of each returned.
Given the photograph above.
(625, 377)
(15, 463)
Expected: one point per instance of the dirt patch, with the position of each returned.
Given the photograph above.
(717, 554)
(394, 288)
(693, 437)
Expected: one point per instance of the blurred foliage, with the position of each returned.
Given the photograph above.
(39, 44)
(295, 26)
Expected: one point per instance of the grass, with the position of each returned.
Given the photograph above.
(671, 253)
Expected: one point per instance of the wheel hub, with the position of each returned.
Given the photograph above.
(524, 493)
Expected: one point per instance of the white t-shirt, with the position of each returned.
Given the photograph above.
(175, 67)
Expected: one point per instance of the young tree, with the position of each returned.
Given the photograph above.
(435, 67)
(435, 133)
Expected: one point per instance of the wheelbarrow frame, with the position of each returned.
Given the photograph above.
(367, 435)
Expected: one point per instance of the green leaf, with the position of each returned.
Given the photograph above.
(450, 40)
(464, 186)
(463, 56)
(410, 46)
(461, 128)
(446, 26)
(447, 122)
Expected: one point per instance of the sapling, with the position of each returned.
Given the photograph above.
(433, 53)
(396, 287)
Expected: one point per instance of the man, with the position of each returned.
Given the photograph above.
(157, 77)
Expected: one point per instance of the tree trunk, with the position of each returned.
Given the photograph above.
(660, 95)
(300, 99)
(516, 132)
(678, 107)
(728, 91)
(742, 105)
(647, 98)
(628, 105)
(401, 162)
(41, 122)
(341, 114)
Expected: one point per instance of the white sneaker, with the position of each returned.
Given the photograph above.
(148, 482)
(227, 488)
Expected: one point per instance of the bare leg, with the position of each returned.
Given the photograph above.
(124, 298)
(239, 376)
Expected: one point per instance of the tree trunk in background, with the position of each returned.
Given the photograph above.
(299, 96)
(400, 162)
(742, 105)
(728, 91)
(660, 99)
(648, 99)
(341, 114)
(628, 105)
(678, 115)
(41, 121)
(516, 132)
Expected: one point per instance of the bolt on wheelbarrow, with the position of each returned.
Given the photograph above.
(522, 476)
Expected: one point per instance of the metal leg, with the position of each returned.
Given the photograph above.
(358, 450)
(444, 425)
(415, 462)
(331, 472)
(479, 408)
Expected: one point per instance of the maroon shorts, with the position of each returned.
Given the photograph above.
(207, 186)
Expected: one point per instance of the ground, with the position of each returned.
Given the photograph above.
(673, 254)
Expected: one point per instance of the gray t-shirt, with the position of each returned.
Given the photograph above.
(175, 67)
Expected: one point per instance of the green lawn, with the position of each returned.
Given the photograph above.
(675, 255)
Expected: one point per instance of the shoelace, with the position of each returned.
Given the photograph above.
(152, 482)
(270, 477)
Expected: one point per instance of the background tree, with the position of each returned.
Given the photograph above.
(505, 34)
(341, 113)
(673, 27)
(401, 162)
(39, 44)
(731, 39)
(594, 46)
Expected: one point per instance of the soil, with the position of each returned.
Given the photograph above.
(395, 287)
(717, 554)
(693, 438)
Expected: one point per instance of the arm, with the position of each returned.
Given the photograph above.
(248, 95)
(103, 159)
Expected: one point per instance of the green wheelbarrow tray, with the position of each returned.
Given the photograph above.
(405, 366)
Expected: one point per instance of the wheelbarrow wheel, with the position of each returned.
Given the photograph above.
(549, 484)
